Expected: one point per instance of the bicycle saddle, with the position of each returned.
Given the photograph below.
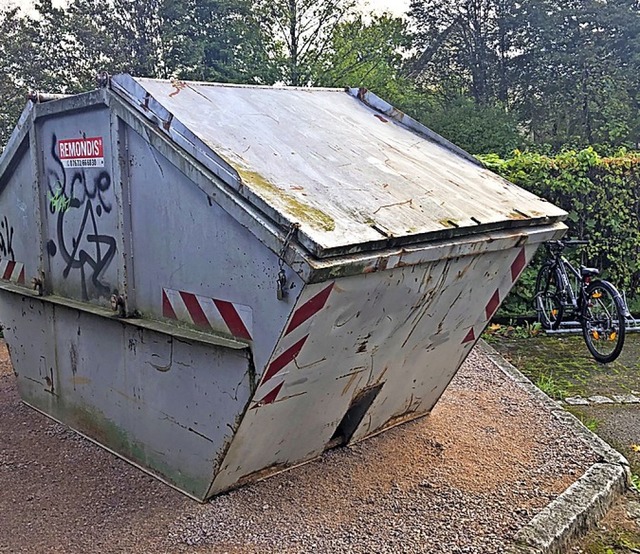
(588, 271)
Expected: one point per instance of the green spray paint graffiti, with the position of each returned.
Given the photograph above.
(58, 201)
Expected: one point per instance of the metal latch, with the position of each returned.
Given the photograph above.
(281, 280)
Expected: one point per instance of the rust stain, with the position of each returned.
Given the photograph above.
(464, 271)
(381, 376)
(378, 116)
(518, 215)
(410, 202)
(80, 380)
(261, 474)
(167, 124)
(178, 85)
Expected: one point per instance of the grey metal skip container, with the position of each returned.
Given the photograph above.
(218, 282)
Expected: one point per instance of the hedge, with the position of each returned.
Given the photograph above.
(602, 198)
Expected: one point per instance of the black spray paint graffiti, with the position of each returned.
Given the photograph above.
(6, 240)
(79, 240)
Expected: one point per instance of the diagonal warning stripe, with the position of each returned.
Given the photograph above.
(518, 265)
(271, 397)
(309, 309)
(284, 359)
(232, 319)
(208, 313)
(493, 305)
(195, 310)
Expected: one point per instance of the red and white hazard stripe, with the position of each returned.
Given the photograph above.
(498, 296)
(291, 344)
(12, 271)
(208, 313)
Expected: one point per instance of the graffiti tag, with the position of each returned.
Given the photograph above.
(58, 201)
(79, 202)
(6, 239)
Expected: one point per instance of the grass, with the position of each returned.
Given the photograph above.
(548, 384)
(563, 365)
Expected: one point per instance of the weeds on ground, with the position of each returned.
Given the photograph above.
(635, 482)
(550, 386)
(525, 331)
(615, 542)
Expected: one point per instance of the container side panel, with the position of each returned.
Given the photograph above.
(398, 336)
(19, 227)
(29, 330)
(167, 405)
(83, 225)
(194, 264)
(431, 353)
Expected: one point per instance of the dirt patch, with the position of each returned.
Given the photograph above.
(463, 479)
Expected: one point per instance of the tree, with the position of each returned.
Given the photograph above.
(365, 53)
(464, 45)
(216, 40)
(302, 30)
(576, 81)
(12, 90)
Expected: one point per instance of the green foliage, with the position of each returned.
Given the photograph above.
(525, 331)
(602, 198)
(365, 53)
(475, 128)
(569, 71)
(635, 482)
(550, 386)
(589, 422)
(300, 34)
(215, 40)
(12, 91)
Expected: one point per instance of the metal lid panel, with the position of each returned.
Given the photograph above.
(351, 177)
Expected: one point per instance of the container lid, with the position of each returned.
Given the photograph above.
(354, 173)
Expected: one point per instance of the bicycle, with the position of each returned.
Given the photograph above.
(596, 304)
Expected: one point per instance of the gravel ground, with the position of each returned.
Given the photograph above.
(462, 480)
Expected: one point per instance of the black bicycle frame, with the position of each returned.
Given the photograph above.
(576, 302)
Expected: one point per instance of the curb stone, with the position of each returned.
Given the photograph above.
(585, 502)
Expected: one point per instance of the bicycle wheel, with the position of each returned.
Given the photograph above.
(547, 298)
(603, 321)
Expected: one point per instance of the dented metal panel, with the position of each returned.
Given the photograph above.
(402, 333)
(352, 178)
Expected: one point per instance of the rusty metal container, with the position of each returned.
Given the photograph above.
(219, 282)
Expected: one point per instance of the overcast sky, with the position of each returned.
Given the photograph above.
(396, 7)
